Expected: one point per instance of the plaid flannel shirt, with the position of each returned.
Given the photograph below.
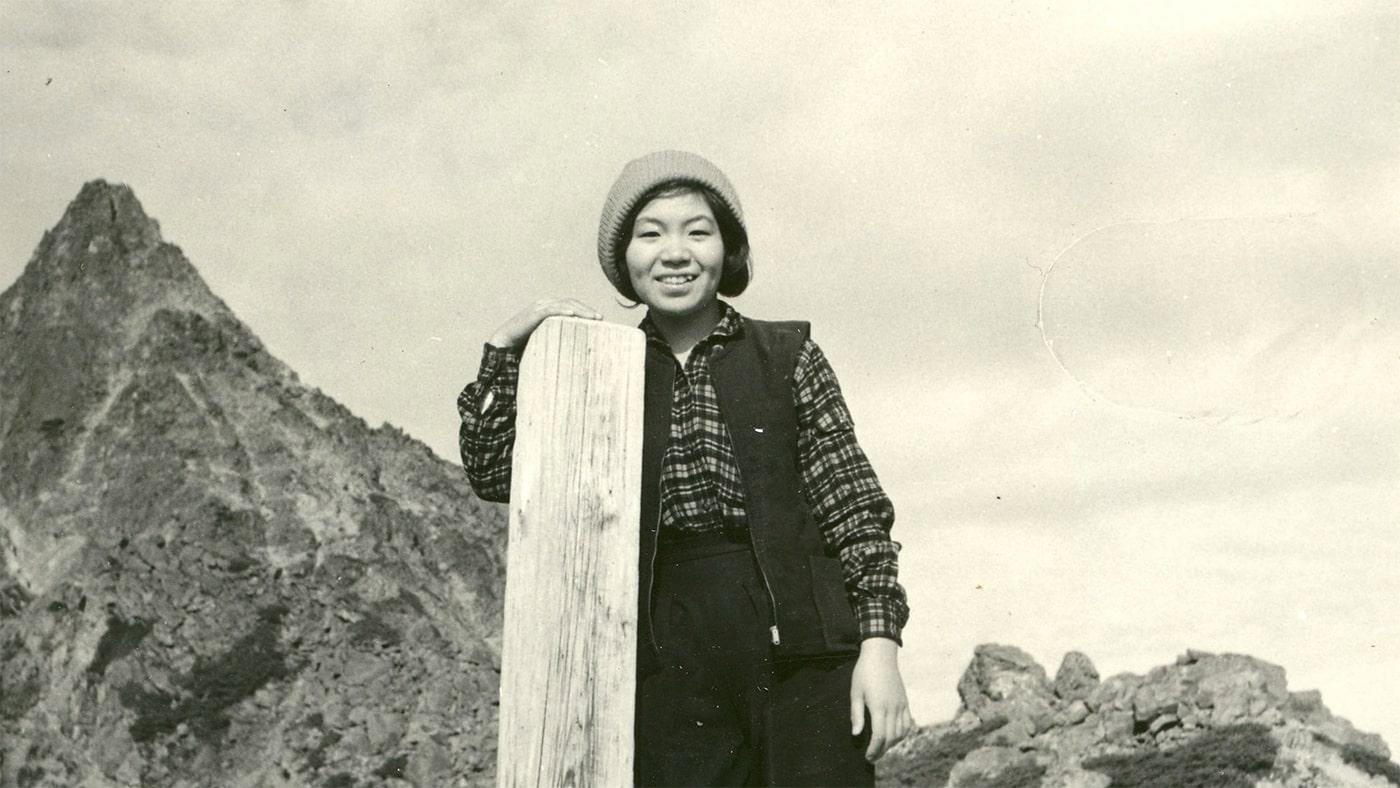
(701, 490)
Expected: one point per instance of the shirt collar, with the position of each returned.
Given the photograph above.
(730, 325)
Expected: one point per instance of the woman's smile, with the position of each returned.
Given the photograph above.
(677, 280)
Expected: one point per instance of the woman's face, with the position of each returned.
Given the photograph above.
(675, 257)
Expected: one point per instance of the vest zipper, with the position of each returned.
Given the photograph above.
(651, 578)
(768, 588)
(763, 578)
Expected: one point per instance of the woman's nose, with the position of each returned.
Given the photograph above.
(673, 251)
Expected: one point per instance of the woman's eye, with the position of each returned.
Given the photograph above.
(648, 234)
(700, 233)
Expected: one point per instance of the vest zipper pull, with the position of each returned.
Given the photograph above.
(773, 630)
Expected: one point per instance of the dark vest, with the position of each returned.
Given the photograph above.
(753, 377)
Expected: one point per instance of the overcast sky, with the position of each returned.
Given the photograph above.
(1113, 290)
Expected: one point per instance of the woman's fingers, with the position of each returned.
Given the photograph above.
(579, 309)
(888, 727)
(884, 734)
(517, 330)
(877, 740)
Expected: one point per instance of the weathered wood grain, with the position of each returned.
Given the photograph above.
(569, 648)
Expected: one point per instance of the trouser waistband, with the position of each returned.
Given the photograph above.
(689, 548)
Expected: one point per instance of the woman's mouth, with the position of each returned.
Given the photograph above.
(676, 279)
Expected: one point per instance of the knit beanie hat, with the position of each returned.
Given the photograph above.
(641, 175)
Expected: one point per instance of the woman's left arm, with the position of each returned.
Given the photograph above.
(855, 517)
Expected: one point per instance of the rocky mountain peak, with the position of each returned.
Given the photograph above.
(104, 266)
(101, 299)
(111, 211)
(209, 572)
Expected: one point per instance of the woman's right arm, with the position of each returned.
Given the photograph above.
(487, 405)
(487, 436)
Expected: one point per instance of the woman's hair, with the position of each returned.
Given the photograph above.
(735, 276)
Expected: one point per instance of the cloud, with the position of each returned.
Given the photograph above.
(1230, 317)
(1002, 444)
(1222, 119)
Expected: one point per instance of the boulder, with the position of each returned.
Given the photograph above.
(1077, 677)
(1004, 681)
(989, 766)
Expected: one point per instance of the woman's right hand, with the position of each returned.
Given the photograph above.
(516, 331)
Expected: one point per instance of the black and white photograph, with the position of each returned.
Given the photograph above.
(967, 394)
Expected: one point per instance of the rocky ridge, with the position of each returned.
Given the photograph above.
(1206, 720)
(213, 574)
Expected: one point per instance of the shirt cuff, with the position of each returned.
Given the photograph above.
(495, 360)
(881, 618)
(496, 377)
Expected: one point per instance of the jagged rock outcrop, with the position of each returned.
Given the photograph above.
(1207, 719)
(213, 574)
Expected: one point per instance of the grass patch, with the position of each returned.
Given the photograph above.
(213, 686)
(372, 630)
(120, 639)
(13, 599)
(317, 757)
(239, 564)
(1229, 757)
(932, 764)
(1022, 774)
(18, 693)
(11, 648)
(1371, 763)
(392, 768)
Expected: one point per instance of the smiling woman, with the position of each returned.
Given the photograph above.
(769, 610)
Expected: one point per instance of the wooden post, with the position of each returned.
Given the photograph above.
(568, 661)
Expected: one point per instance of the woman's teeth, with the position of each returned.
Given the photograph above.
(677, 279)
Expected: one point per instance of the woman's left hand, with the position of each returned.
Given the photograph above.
(877, 689)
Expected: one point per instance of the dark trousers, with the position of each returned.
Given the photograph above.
(716, 709)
